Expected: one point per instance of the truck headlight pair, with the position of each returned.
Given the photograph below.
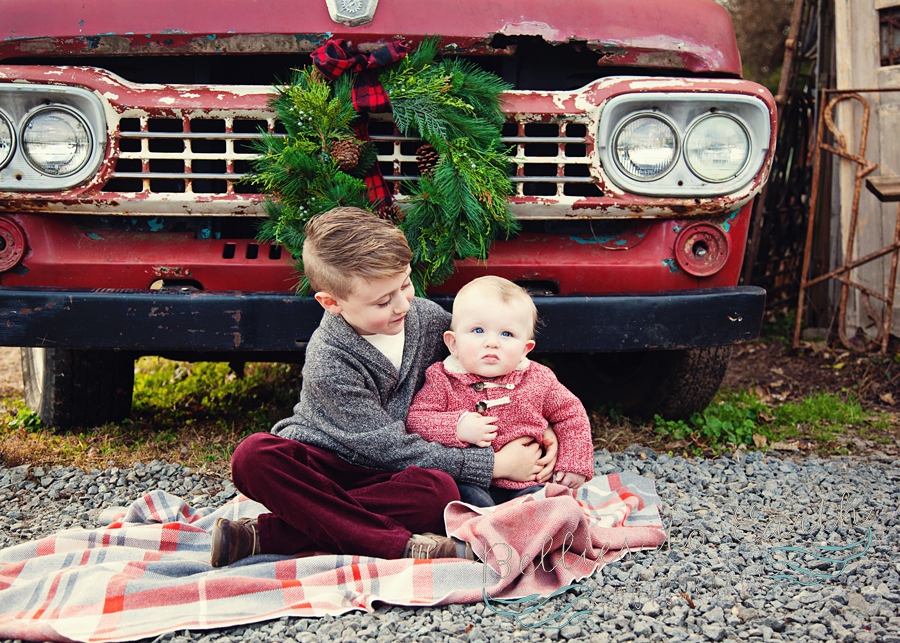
(52, 137)
(54, 140)
(716, 148)
(695, 145)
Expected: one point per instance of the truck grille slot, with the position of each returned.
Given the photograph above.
(186, 155)
(210, 156)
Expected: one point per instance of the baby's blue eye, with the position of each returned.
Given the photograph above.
(506, 333)
(477, 330)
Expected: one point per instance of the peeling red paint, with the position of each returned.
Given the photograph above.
(689, 34)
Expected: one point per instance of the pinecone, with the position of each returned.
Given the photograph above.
(392, 213)
(346, 154)
(426, 158)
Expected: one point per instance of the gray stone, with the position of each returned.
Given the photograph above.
(715, 615)
(651, 608)
(818, 631)
(714, 632)
(641, 627)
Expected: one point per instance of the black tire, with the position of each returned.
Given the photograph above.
(673, 384)
(78, 388)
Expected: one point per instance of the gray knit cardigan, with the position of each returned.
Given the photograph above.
(354, 402)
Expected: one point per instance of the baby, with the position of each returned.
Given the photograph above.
(487, 392)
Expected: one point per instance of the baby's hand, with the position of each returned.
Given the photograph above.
(476, 429)
(569, 479)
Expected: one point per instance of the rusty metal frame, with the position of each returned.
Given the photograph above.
(842, 274)
(888, 24)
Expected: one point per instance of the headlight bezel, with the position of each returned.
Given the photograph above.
(12, 135)
(35, 113)
(682, 110)
(692, 128)
(628, 121)
(21, 103)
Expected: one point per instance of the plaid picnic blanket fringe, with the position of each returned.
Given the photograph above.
(148, 573)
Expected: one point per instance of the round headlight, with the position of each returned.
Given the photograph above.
(56, 141)
(6, 140)
(645, 147)
(717, 148)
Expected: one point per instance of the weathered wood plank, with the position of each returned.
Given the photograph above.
(886, 188)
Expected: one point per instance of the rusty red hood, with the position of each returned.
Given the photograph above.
(693, 35)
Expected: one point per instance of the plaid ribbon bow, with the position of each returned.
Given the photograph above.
(334, 58)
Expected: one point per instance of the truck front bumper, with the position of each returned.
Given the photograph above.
(274, 323)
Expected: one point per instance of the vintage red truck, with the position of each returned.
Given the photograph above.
(125, 229)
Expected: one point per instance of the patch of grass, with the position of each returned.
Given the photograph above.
(735, 416)
(171, 391)
(822, 414)
(192, 413)
(732, 418)
(25, 418)
(778, 326)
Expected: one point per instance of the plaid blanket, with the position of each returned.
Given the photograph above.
(110, 584)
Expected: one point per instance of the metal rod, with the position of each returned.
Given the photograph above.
(855, 264)
(892, 285)
(842, 274)
(807, 248)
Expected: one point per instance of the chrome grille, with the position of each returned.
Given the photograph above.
(210, 156)
(551, 158)
(191, 155)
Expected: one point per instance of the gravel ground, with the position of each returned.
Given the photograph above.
(715, 579)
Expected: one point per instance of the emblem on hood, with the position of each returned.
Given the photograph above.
(352, 13)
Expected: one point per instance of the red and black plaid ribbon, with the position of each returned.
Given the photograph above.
(336, 57)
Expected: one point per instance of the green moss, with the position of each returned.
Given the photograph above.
(734, 416)
(180, 391)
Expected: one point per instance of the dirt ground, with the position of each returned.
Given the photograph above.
(786, 374)
(10, 372)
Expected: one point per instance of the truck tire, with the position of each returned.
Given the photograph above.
(77, 388)
(673, 384)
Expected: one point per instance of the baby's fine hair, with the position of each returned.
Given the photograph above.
(346, 245)
(505, 290)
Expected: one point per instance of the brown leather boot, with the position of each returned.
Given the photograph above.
(435, 546)
(233, 540)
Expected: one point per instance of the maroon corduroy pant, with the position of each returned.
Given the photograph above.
(321, 502)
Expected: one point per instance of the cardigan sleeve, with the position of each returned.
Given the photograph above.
(369, 436)
(431, 414)
(568, 419)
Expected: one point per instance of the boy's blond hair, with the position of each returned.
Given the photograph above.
(504, 289)
(346, 245)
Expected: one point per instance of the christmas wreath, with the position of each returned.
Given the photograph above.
(457, 206)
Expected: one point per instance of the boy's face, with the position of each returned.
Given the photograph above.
(489, 337)
(376, 307)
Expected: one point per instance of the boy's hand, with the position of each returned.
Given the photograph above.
(517, 460)
(548, 461)
(476, 429)
(569, 479)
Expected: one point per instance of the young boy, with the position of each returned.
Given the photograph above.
(342, 475)
(488, 393)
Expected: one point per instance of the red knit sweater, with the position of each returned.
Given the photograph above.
(536, 400)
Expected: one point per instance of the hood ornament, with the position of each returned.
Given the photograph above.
(352, 13)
